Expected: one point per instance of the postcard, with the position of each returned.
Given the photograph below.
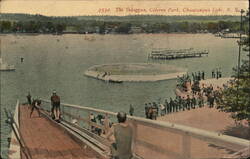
(123, 79)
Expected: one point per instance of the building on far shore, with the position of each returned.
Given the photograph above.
(135, 29)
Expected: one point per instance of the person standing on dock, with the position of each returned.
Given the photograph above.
(193, 76)
(199, 75)
(217, 73)
(171, 105)
(55, 102)
(193, 102)
(29, 99)
(203, 75)
(131, 110)
(220, 73)
(188, 102)
(166, 106)
(146, 111)
(156, 108)
(213, 75)
(163, 109)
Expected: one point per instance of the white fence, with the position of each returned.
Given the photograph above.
(157, 139)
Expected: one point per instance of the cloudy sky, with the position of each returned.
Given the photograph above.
(121, 7)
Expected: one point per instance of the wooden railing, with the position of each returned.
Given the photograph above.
(16, 136)
(156, 138)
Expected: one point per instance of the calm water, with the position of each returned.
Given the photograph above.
(58, 62)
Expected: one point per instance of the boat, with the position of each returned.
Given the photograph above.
(5, 66)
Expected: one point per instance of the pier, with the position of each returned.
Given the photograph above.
(42, 137)
(168, 54)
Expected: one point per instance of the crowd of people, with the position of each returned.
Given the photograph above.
(198, 76)
(192, 94)
(208, 95)
(100, 120)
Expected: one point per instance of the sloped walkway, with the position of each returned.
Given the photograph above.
(45, 140)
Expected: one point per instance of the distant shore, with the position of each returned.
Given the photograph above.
(95, 33)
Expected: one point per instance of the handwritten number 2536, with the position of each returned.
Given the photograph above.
(103, 10)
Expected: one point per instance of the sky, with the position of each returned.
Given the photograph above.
(124, 7)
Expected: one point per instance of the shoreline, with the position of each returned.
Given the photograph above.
(58, 34)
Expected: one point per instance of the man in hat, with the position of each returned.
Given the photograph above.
(123, 138)
(55, 102)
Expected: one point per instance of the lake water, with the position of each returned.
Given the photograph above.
(58, 62)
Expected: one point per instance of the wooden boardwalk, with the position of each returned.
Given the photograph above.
(46, 140)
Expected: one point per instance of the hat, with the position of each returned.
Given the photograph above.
(54, 91)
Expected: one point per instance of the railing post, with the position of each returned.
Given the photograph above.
(135, 126)
(186, 146)
(62, 112)
(89, 121)
(106, 123)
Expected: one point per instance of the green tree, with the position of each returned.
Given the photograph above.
(5, 26)
(124, 28)
(60, 28)
(236, 98)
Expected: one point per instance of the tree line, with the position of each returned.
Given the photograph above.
(93, 26)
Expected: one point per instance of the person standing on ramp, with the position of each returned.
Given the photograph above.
(55, 102)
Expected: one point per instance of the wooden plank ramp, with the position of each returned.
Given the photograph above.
(45, 140)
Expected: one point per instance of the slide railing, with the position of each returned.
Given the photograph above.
(154, 139)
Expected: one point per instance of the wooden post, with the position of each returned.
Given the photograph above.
(135, 135)
(106, 123)
(186, 146)
(89, 120)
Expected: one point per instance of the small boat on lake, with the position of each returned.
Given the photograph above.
(5, 66)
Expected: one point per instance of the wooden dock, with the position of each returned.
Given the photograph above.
(168, 54)
(45, 140)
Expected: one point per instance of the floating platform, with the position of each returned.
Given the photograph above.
(168, 54)
(134, 72)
